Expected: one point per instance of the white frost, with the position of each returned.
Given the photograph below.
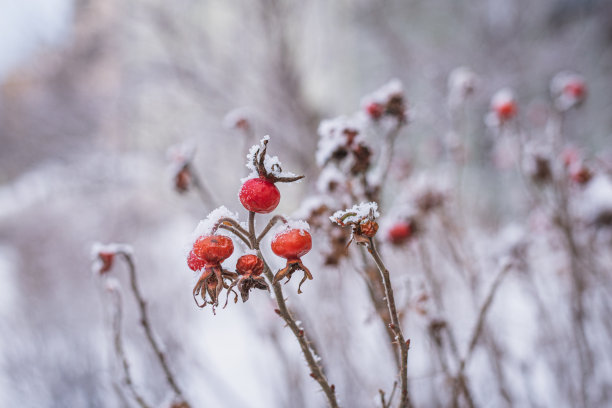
(206, 226)
(359, 212)
(271, 163)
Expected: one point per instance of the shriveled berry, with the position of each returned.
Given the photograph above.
(249, 264)
(259, 195)
(213, 249)
(400, 232)
(580, 174)
(292, 244)
(369, 228)
(194, 262)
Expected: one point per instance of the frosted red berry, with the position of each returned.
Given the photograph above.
(400, 232)
(506, 110)
(375, 110)
(292, 244)
(580, 174)
(107, 261)
(249, 265)
(194, 262)
(213, 249)
(576, 89)
(259, 195)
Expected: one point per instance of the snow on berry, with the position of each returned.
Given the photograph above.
(462, 83)
(209, 225)
(103, 255)
(595, 204)
(384, 93)
(568, 90)
(356, 214)
(336, 136)
(503, 108)
(239, 118)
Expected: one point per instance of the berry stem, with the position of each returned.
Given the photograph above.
(146, 325)
(395, 324)
(236, 233)
(316, 371)
(268, 227)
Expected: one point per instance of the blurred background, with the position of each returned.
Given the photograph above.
(93, 93)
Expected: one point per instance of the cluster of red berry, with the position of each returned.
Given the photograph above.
(258, 195)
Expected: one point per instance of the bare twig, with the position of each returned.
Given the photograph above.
(460, 380)
(395, 324)
(316, 371)
(268, 227)
(120, 352)
(146, 325)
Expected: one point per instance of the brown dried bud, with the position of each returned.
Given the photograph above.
(182, 180)
(541, 171)
(362, 154)
(249, 264)
(368, 228)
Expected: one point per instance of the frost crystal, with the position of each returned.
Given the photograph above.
(292, 224)
(384, 93)
(206, 226)
(356, 214)
(112, 248)
(179, 155)
(271, 163)
(239, 118)
(567, 90)
(461, 84)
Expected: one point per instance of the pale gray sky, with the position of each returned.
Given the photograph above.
(26, 25)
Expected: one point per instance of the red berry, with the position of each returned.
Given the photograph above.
(194, 262)
(259, 195)
(375, 110)
(575, 88)
(107, 261)
(580, 174)
(400, 232)
(249, 264)
(506, 110)
(292, 244)
(213, 249)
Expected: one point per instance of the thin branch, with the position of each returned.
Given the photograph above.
(120, 352)
(316, 371)
(146, 325)
(395, 324)
(268, 227)
(483, 311)
(233, 223)
(460, 380)
(236, 233)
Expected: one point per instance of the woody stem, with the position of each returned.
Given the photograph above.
(316, 371)
(395, 324)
